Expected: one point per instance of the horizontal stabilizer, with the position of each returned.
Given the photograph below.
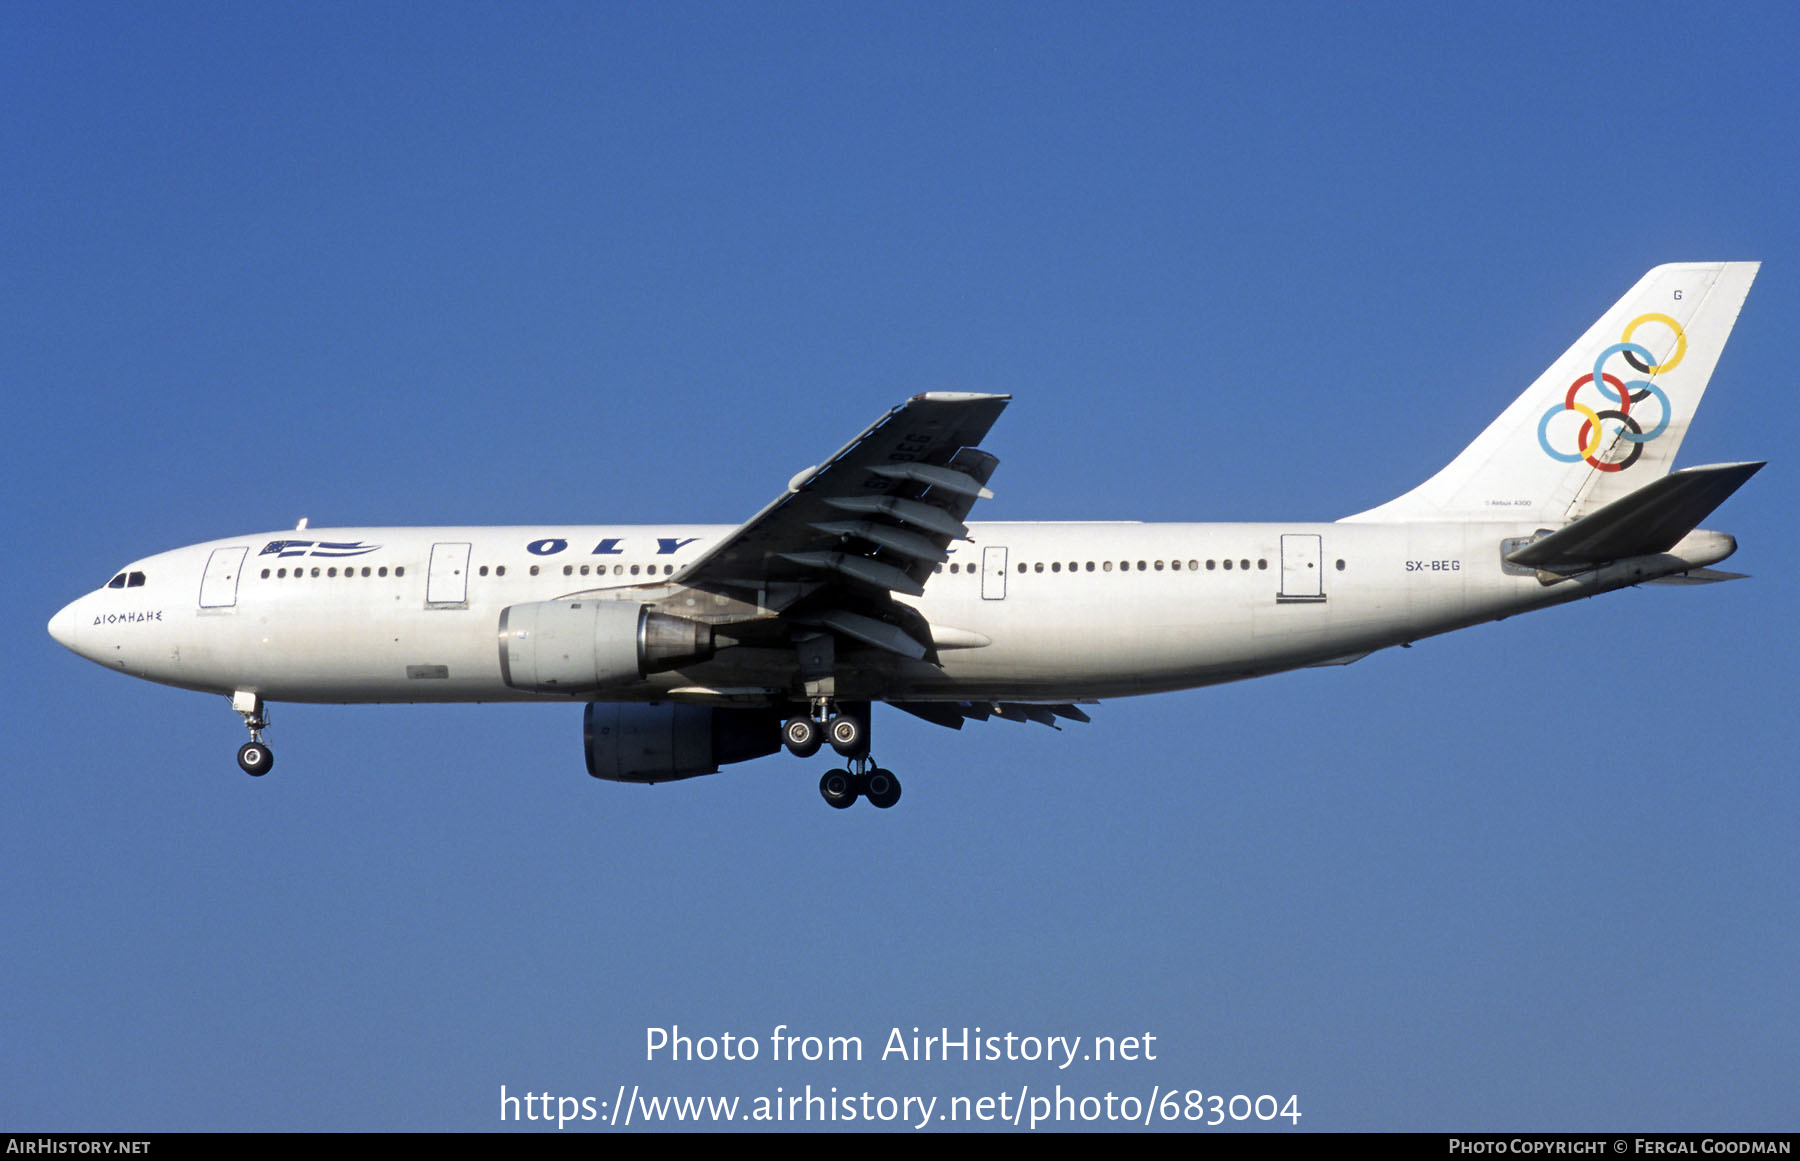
(1650, 520)
(1697, 576)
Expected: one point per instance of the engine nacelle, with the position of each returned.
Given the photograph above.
(663, 741)
(580, 646)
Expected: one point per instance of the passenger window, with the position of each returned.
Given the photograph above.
(1090, 566)
(1262, 565)
(1056, 566)
(499, 571)
(382, 571)
(534, 570)
(1159, 566)
(1038, 567)
(399, 570)
(1021, 566)
(1228, 566)
(1193, 566)
(1106, 566)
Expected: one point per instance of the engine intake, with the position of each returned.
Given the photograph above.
(581, 646)
(663, 741)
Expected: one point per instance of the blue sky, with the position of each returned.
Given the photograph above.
(586, 263)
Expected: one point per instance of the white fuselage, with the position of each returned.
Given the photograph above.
(1023, 611)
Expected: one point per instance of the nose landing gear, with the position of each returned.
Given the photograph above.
(253, 756)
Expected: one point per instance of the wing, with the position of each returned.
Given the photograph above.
(873, 520)
(953, 713)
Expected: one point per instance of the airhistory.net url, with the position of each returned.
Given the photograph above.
(1021, 1109)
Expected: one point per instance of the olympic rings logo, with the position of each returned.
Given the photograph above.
(1626, 395)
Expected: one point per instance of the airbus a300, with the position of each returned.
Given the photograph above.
(864, 582)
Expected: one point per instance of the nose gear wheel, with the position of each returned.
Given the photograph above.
(254, 757)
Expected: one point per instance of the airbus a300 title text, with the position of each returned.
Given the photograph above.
(944, 1044)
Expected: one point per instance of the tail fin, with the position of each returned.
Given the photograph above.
(1605, 419)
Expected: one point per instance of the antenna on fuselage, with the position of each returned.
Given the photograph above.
(300, 527)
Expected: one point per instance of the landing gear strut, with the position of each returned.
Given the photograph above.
(254, 756)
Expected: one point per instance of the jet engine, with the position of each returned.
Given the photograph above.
(664, 741)
(580, 646)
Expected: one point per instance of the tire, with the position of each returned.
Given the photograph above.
(838, 787)
(255, 758)
(849, 736)
(881, 788)
(801, 736)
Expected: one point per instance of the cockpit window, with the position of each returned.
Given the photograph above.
(135, 580)
(117, 582)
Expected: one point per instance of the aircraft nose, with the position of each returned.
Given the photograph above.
(62, 626)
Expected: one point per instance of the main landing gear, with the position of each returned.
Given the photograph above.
(847, 729)
(841, 788)
(846, 732)
(254, 756)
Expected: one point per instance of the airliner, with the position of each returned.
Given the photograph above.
(691, 647)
